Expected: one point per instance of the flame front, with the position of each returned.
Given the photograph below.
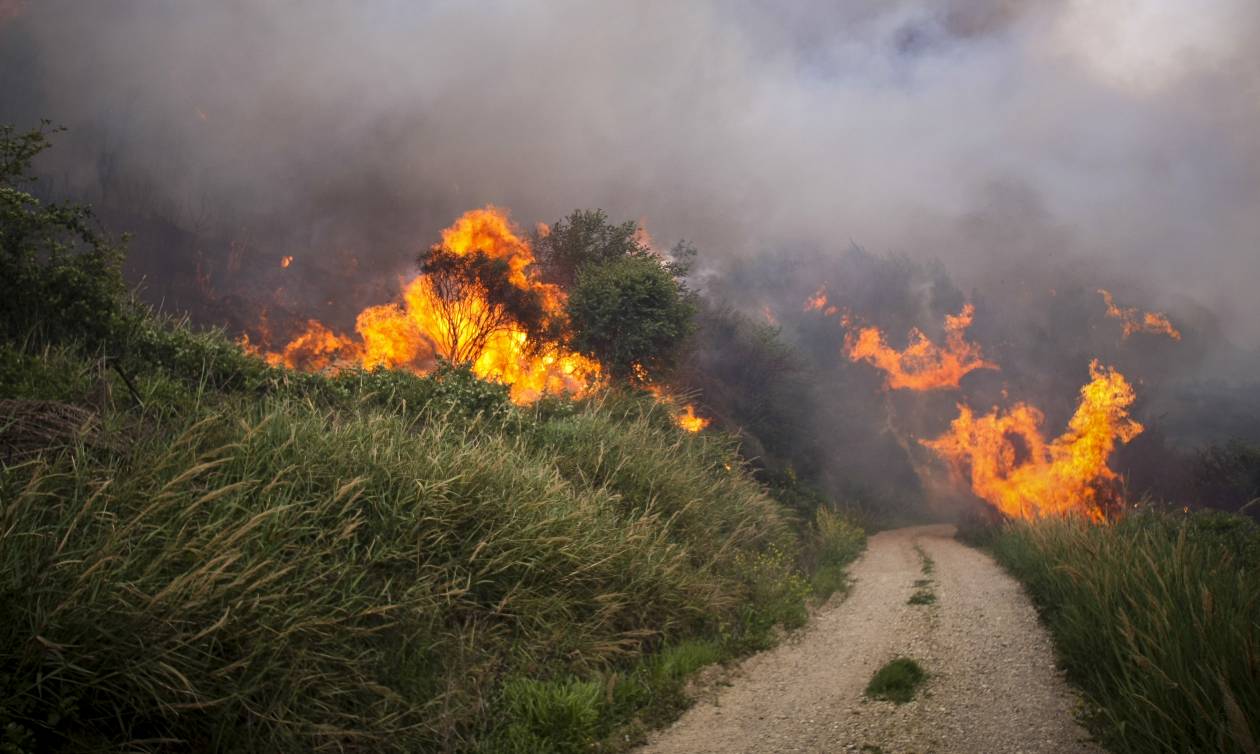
(1010, 464)
(923, 365)
(409, 334)
(1134, 321)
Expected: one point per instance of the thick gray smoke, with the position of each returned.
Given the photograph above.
(1120, 139)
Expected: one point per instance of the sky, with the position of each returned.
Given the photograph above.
(1112, 143)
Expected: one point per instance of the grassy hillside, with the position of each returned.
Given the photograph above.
(1157, 618)
(240, 558)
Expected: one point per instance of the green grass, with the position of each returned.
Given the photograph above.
(897, 681)
(833, 542)
(1157, 618)
(251, 560)
(926, 564)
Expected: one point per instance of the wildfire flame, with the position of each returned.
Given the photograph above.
(818, 303)
(1135, 321)
(923, 365)
(689, 421)
(686, 418)
(409, 334)
(1011, 465)
(286, 260)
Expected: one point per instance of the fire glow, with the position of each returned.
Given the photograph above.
(1011, 465)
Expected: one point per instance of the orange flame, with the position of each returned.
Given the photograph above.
(1012, 466)
(923, 365)
(286, 260)
(818, 303)
(409, 334)
(689, 421)
(687, 418)
(1135, 321)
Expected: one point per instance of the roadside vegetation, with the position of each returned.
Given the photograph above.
(199, 551)
(1156, 617)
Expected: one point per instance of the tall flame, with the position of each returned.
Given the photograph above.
(923, 365)
(408, 334)
(1135, 321)
(1011, 465)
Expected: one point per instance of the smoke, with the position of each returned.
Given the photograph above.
(1039, 150)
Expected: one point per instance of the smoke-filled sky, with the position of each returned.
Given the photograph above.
(1115, 141)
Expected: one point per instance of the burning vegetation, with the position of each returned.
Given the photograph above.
(922, 365)
(1004, 457)
(1135, 321)
(479, 299)
(1010, 464)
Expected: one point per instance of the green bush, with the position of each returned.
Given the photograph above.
(59, 275)
(630, 314)
(1158, 618)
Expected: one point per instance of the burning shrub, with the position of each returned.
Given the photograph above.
(473, 297)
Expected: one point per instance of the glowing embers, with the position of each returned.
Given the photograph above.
(1010, 464)
(1135, 321)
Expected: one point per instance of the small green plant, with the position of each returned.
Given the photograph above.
(547, 716)
(927, 565)
(922, 583)
(897, 681)
(922, 597)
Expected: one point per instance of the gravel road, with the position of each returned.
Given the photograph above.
(993, 685)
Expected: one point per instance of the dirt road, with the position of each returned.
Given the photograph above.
(993, 686)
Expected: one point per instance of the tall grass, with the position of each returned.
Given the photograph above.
(376, 562)
(1158, 618)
